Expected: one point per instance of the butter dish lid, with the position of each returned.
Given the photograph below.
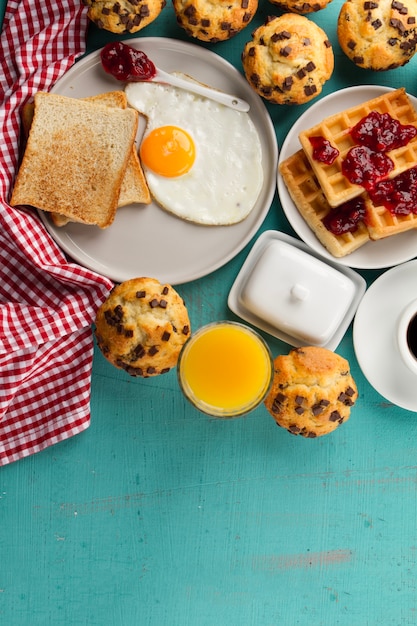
(287, 290)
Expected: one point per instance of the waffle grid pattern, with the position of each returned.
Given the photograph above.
(336, 129)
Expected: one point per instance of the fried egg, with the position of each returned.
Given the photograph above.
(202, 160)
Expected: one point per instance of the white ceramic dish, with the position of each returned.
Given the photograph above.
(146, 240)
(290, 292)
(375, 254)
(374, 335)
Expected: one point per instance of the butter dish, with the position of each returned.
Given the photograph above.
(290, 292)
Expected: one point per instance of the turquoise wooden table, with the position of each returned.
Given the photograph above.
(160, 516)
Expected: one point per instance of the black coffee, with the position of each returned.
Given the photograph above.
(412, 336)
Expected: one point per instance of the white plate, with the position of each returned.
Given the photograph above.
(238, 307)
(374, 254)
(374, 335)
(146, 240)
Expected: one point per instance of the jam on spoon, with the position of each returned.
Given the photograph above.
(127, 64)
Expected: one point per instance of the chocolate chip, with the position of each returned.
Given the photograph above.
(285, 52)
(334, 416)
(150, 370)
(351, 45)
(328, 43)
(288, 83)
(128, 333)
(141, 294)
(153, 350)
(309, 90)
(244, 4)
(310, 66)
(154, 303)
(185, 330)
(190, 10)
(376, 24)
(225, 26)
(294, 429)
(163, 304)
(138, 352)
(317, 409)
(166, 335)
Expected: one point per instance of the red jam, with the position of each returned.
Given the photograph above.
(368, 165)
(363, 166)
(381, 132)
(346, 217)
(126, 63)
(398, 195)
(323, 151)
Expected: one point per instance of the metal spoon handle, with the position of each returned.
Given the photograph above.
(218, 96)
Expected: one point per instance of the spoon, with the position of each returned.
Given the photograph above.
(126, 63)
(228, 100)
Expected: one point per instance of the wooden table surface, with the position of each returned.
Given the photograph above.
(158, 515)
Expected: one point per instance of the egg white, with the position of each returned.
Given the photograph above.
(226, 178)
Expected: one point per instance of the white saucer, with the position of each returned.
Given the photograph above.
(374, 337)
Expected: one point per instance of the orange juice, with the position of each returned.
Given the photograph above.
(225, 369)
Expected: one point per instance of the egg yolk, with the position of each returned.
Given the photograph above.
(168, 151)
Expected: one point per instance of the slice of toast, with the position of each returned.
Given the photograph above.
(75, 158)
(134, 189)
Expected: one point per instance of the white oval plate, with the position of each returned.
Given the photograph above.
(374, 254)
(146, 240)
(374, 335)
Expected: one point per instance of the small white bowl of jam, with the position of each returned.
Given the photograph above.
(293, 294)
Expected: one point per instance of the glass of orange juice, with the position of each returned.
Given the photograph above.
(225, 369)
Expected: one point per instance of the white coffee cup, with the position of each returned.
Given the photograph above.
(407, 336)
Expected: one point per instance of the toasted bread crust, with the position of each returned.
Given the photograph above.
(75, 158)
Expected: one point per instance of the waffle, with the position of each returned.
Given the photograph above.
(381, 223)
(336, 129)
(310, 201)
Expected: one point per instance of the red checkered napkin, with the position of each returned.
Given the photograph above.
(47, 304)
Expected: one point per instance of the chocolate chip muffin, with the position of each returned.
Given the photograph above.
(122, 16)
(142, 326)
(378, 35)
(298, 6)
(312, 393)
(214, 21)
(288, 60)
